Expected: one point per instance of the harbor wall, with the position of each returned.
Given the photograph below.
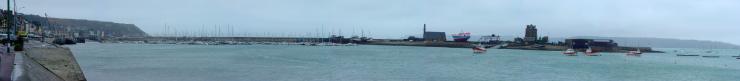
(33, 71)
(240, 39)
(425, 44)
(51, 64)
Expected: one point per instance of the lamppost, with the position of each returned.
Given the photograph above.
(9, 24)
(6, 59)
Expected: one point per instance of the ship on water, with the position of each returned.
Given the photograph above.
(461, 37)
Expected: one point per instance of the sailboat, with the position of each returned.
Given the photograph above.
(638, 52)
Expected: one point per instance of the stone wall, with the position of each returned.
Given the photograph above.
(51, 64)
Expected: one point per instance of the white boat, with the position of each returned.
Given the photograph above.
(634, 52)
(590, 52)
(479, 49)
(349, 44)
(570, 52)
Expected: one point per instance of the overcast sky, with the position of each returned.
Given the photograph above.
(716, 20)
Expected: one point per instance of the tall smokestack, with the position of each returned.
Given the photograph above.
(425, 28)
(423, 34)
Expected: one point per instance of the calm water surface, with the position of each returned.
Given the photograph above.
(148, 62)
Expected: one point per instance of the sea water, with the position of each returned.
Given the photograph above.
(165, 62)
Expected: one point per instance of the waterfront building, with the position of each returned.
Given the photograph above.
(433, 36)
(492, 39)
(530, 36)
(594, 44)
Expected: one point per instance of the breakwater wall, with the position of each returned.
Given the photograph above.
(424, 44)
(239, 39)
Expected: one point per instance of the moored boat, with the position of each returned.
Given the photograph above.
(461, 37)
(570, 52)
(479, 49)
(638, 52)
(590, 52)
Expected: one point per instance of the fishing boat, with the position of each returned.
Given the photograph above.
(634, 52)
(570, 52)
(590, 52)
(461, 37)
(479, 49)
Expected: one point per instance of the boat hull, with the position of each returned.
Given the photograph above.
(460, 39)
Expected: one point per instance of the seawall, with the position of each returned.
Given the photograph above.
(242, 39)
(45, 62)
(425, 44)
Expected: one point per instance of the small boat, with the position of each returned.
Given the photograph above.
(590, 52)
(710, 56)
(461, 37)
(736, 56)
(570, 52)
(634, 52)
(479, 49)
(348, 44)
(686, 55)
